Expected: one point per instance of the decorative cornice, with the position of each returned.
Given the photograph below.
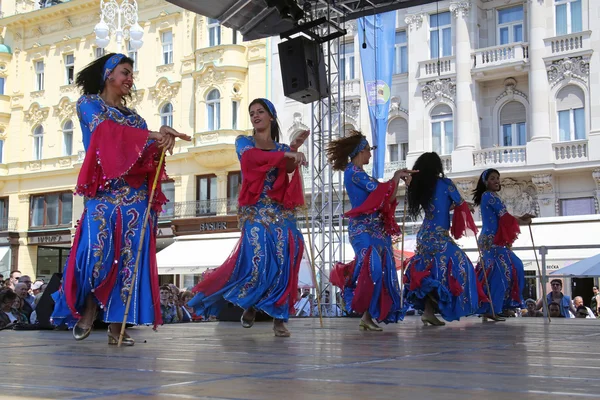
(596, 176)
(510, 90)
(568, 68)
(544, 183)
(65, 109)
(297, 125)
(439, 89)
(414, 21)
(460, 8)
(36, 114)
(165, 90)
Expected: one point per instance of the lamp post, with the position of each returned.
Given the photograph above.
(120, 20)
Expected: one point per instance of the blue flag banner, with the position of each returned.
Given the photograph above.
(378, 32)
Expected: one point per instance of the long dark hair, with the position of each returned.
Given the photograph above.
(482, 186)
(90, 79)
(422, 186)
(274, 125)
(338, 151)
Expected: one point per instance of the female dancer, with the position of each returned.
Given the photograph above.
(120, 161)
(262, 272)
(370, 282)
(439, 272)
(503, 269)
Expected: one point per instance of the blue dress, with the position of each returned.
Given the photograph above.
(504, 270)
(114, 180)
(262, 271)
(372, 281)
(439, 267)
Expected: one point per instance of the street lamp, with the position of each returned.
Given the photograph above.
(122, 21)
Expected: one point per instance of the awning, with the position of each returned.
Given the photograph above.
(193, 256)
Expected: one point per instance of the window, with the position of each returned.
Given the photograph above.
(68, 138)
(166, 115)
(579, 206)
(2, 85)
(167, 47)
(234, 114)
(168, 188)
(51, 210)
(510, 25)
(4, 214)
(69, 69)
(568, 16)
(442, 129)
(99, 52)
(397, 139)
(347, 61)
(1, 151)
(213, 110)
(400, 53)
(39, 75)
(38, 142)
(133, 54)
(440, 35)
(571, 114)
(234, 180)
(237, 37)
(214, 32)
(206, 194)
(513, 130)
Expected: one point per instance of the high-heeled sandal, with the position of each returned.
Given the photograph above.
(281, 331)
(431, 321)
(496, 318)
(80, 333)
(114, 339)
(245, 322)
(369, 326)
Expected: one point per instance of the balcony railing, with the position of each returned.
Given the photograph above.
(564, 44)
(498, 55)
(571, 151)
(446, 163)
(431, 69)
(8, 224)
(515, 155)
(350, 88)
(200, 208)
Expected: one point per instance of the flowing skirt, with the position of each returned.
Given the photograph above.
(103, 258)
(443, 271)
(370, 282)
(505, 276)
(262, 271)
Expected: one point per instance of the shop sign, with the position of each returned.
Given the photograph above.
(50, 239)
(213, 226)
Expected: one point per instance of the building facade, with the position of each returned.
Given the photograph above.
(511, 84)
(191, 73)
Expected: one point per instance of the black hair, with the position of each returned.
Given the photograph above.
(275, 130)
(422, 186)
(339, 150)
(557, 281)
(90, 79)
(482, 185)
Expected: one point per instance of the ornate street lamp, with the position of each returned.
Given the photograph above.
(120, 20)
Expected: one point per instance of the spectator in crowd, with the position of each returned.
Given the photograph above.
(188, 312)
(22, 292)
(531, 311)
(36, 288)
(18, 307)
(556, 296)
(8, 315)
(302, 306)
(8, 284)
(167, 306)
(582, 310)
(27, 281)
(554, 310)
(14, 277)
(595, 303)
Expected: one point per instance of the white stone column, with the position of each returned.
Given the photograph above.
(222, 192)
(596, 176)
(546, 197)
(539, 148)
(594, 82)
(464, 132)
(417, 120)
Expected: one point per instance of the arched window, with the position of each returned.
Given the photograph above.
(513, 128)
(38, 142)
(67, 131)
(570, 105)
(397, 140)
(213, 110)
(442, 129)
(166, 115)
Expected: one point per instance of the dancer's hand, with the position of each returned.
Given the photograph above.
(171, 134)
(299, 141)
(405, 175)
(162, 140)
(471, 206)
(299, 158)
(526, 219)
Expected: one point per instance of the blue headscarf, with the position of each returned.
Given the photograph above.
(270, 106)
(485, 174)
(361, 146)
(110, 65)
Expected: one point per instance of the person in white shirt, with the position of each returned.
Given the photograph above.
(578, 302)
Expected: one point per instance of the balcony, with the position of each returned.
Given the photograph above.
(199, 208)
(500, 156)
(574, 44)
(8, 224)
(497, 61)
(433, 69)
(566, 152)
(349, 88)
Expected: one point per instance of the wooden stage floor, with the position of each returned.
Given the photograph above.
(522, 358)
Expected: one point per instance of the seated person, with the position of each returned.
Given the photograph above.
(531, 311)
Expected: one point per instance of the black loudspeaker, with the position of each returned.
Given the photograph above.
(303, 70)
(233, 313)
(45, 306)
